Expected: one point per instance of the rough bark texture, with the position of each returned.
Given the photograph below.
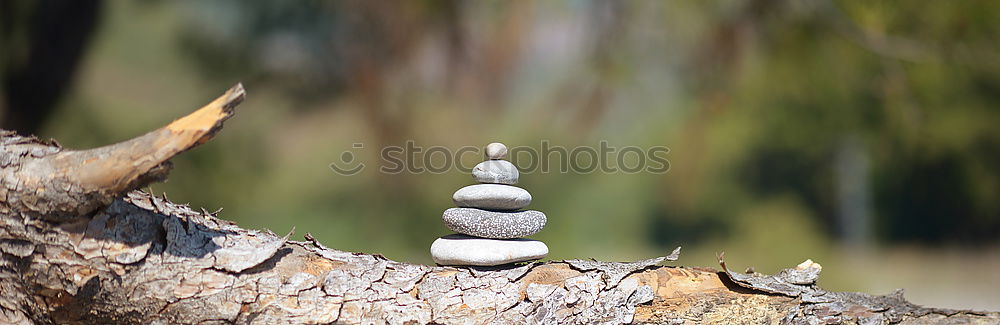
(84, 249)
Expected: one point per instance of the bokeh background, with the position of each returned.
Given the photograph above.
(864, 135)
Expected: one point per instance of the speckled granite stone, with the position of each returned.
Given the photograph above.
(492, 224)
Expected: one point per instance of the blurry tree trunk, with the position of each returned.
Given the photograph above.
(81, 246)
(43, 43)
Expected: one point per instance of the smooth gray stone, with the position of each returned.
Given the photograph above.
(492, 197)
(457, 249)
(495, 172)
(496, 150)
(492, 224)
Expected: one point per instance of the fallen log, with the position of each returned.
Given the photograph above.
(80, 245)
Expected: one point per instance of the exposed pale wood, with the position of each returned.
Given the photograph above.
(41, 179)
(79, 246)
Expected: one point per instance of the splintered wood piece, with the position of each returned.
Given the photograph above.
(52, 182)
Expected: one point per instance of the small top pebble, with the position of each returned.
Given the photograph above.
(496, 150)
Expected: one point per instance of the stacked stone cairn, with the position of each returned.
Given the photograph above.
(489, 219)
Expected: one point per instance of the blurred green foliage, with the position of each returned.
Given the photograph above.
(798, 129)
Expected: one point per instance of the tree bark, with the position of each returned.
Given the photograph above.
(81, 246)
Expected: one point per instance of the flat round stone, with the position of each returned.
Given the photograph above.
(459, 249)
(496, 150)
(495, 172)
(492, 224)
(492, 197)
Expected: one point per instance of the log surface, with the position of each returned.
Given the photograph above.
(80, 246)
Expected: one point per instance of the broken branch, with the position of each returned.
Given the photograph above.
(41, 179)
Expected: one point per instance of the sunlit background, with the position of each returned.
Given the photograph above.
(864, 135)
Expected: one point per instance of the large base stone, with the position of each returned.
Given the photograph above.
(458, 249)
